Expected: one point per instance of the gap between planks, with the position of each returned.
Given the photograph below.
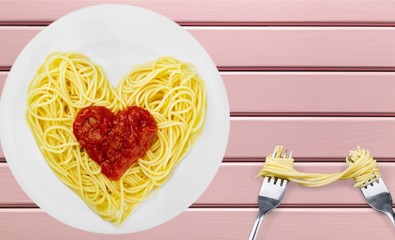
(230, 23)
(286, 69)
(299, 160)
(224, 206)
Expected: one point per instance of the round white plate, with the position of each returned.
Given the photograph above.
(116, 37)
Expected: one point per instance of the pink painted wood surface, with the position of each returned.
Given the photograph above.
(235, 185)
(311, 138)
(13, 40)
(299, 46)
(271, 47)
(280, 11)
(219, 224)
(3, 76)
(307, 93)
(302, 93)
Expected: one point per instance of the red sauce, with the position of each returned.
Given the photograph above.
(117, 141)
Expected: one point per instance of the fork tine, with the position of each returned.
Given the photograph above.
(275, 152)
(265, 179)
(290, 154)
(285, 153)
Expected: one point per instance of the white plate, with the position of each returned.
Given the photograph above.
(116, 37)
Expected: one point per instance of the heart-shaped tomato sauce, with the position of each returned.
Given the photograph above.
(117, 141)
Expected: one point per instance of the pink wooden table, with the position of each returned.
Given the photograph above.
(316, 76)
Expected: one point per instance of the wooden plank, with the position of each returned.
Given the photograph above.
(219, 11)
(3, 76)
(299, 46)
(194, 224)
(267, 47)
(11, 194)
(310, 93)
(228, 190)
(307, 93)
(13, 40)
(311, 138)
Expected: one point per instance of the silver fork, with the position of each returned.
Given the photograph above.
(270, 196)
(379, 198)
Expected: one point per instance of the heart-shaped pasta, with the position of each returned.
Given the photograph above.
(65, 83)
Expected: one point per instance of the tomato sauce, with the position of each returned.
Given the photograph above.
(117, 141)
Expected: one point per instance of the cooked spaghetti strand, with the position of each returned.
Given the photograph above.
(361, 167)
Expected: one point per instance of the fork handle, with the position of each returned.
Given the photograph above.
(255, 228)
(392, 217)
(390, 213)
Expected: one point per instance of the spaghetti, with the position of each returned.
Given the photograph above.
(361, 167)
(65, 83)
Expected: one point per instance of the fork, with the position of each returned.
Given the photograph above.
(270, 196)
(379, 198)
